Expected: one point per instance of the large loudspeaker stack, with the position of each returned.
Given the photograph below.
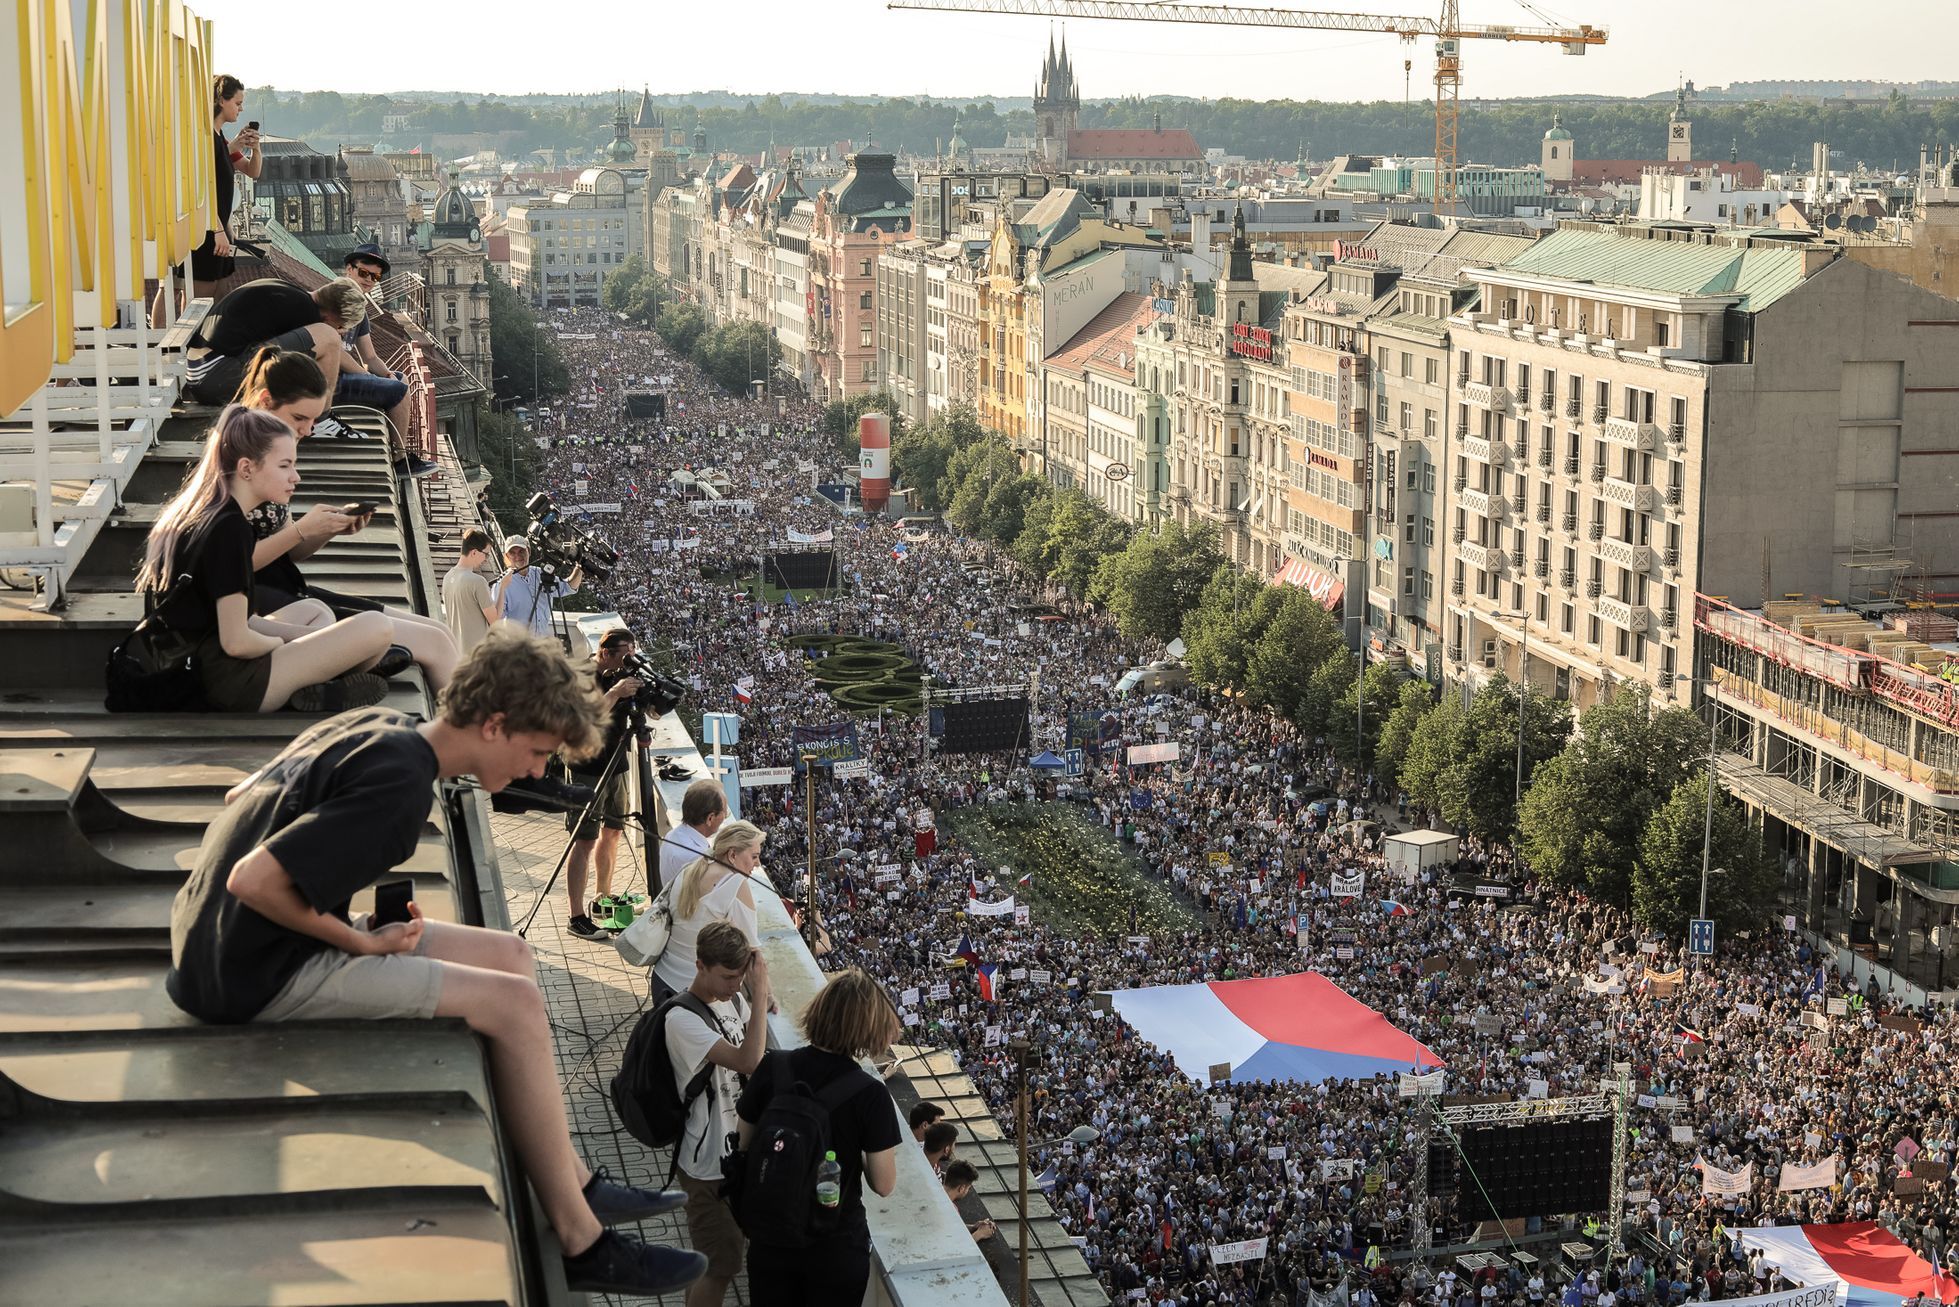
(641, 405)
(982, 725)
(814, 569)
(1543, 1168)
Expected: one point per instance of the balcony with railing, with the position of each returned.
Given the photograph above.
(1621, 493)
(1481, 503)
(1487, 558)
(1630, 433)
(1625, 616)
(1478, 449)
(1621, 553)
(1478, 394)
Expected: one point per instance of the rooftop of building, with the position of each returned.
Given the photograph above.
(1114, 327)
(1133, 143)
(1648, 257)
(1627, 172)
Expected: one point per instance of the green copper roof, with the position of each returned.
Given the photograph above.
(1681, 267)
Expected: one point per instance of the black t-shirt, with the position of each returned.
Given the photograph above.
(626, 717)
(867, 1123)
(341, 805)
(254, 314)
(217, 553)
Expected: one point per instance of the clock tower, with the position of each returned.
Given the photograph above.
(456, 272)
(1680, 132)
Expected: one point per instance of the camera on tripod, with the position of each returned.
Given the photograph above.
(559, 546)
(659, 694)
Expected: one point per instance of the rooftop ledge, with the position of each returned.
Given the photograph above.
(924, 1256)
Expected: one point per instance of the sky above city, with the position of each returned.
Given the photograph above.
(858, 47)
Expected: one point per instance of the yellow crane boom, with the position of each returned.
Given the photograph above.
(1448, 29)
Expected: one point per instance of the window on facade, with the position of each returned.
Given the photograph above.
(864, 300)
(864, 268)
(870, 370)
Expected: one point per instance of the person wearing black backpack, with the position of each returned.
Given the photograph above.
(809, 1244)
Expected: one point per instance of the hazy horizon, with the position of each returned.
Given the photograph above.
(861, 50)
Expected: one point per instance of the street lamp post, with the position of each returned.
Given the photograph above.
(1713, 775)
(1082, 1134)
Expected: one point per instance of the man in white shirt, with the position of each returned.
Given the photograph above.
(702, 810)
(731, 978)
(467, 605)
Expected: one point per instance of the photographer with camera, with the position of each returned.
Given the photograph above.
(526, 593)
(595, 830)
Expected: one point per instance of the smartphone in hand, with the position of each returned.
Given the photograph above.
(391, 900)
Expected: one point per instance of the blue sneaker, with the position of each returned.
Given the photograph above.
(621, 1204)
(616, 1264)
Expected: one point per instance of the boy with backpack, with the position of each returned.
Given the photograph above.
(679, 1080)
(815, 1128)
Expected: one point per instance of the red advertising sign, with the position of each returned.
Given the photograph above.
(1251, 342)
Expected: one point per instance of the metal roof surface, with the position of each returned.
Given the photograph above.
(1759, 277)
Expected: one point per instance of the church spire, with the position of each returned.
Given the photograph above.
(1241, 248)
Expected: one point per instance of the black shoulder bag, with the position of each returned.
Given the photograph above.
(154, 668)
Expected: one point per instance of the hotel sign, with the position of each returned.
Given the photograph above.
(1343, 250)
(1251, 342)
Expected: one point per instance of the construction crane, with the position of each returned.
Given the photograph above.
(1448, 30)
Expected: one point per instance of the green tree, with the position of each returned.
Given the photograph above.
(1220, 633)
(1380, 695)
(1666, 882)
(1297, 637)
(1081, 534)
(736, 355)
(1157, 578)
(681, 326)
(839, 420)
(921, 458)
(1586, 809)
(1479, 786)
(509, 454)
(528, 367)
(1426, 764)
(1417, 697)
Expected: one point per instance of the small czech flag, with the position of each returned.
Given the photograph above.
(1686, 1034)
(745, 690)
(984, 975)
(1394, 909)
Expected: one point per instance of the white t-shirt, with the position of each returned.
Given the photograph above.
(689, 1040)
(721, 903)
(681, 846)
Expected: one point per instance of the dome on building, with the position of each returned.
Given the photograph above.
(618, 151)
(454, 215)
(1557, 132)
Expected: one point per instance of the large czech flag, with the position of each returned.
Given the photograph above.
(1301, 1028)
(1872, 1266)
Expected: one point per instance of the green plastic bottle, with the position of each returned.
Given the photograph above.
(829, 1182)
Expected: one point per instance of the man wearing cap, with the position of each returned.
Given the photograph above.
(525, 594)
(364, 379)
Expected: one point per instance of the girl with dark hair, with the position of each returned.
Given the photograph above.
(211, 262)
(289, 385)
(248, 663)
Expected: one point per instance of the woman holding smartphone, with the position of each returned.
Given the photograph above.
(289, 385)
(248, 663)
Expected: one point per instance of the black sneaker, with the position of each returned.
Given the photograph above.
(618, 1204)
(617, 1264)
(351, 690)
(412, 466)
(584, 927)
(600, 909)
(394, 662)
(334, 429)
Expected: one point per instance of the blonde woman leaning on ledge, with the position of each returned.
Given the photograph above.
(247, 663)
(711, 888)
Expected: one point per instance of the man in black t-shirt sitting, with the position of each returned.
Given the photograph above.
(596, 829)
(271, 312)
(261, 931)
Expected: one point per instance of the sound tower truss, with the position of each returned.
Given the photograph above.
(1580, 1107)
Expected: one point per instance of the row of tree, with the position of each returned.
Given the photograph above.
(1769, 132)
(735, 354)
(1612, 805)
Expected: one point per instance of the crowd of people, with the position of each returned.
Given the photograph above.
(1743, 1064)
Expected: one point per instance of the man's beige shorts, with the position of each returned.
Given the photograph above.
(335, 985)
(711, 1227)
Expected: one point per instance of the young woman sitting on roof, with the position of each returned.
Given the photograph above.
(197, 576)
(289, 385)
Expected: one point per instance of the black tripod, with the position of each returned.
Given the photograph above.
(606, 774)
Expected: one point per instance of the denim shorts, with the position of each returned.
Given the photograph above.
(369, 390)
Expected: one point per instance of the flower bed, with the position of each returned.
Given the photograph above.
(863, 675)
(1084, 879)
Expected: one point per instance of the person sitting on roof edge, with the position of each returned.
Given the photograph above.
(261, 930)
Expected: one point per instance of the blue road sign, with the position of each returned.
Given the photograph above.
(1075, 759)
(1700, 937)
